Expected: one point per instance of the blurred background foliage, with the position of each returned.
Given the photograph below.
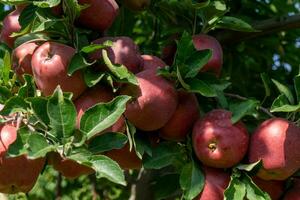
(277, 54)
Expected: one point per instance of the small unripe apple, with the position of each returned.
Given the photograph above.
(93, 96)
(11, 25)
(217, 142)
(273, 188)
(50, 66)
(202, 42)
(21, 58)
(294, 192)
(275, 142)
(125, 158)
(216, 181)
(68, 168)
(99, 15)
(123, 51)
(152, 62)
(17, 174)
(155, 102)
(137, 5)
(182, 121)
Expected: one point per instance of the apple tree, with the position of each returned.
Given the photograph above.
(141, 99)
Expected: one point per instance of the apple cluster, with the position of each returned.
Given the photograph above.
(157, 106)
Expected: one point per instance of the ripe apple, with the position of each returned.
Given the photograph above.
(68, 168)
(217, 142)
(21, 58)
(152, 62)
(17, 174)
(125, 158)
(123, 51)
(50, 65)
(137, 5)
(155, 103)
(93, 96)
(202, 42)
(182, 121)
(99, 15)
(274, 142)
(216, 181)
(273, 188)
(11, 25)
(294, 192)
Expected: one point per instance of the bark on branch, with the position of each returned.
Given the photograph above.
(265, 27)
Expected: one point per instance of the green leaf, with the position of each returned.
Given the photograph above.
(94, 47)
(284, 90)
(13, 105)
(120, 72)
(91, 77)
(163, 155)
(252, 191)
(19, 146)
(5, 69)
(297, 87)
(191, 180)
(78, 62)
(185, 47)
(102, 115)
(107, 168)
(281, 104)
(233, 23)
(236, 190)
(46, 3)
(197, 61)
(106, 142)
(31, 37)
(62, 114)
(142, 145)
(198, 5)
(201, 87)
(249, 167)
(5, 94)
(162, 188)
(38, 146)
(39, 107)
(28, 89)
(239, 110)
(265, 80)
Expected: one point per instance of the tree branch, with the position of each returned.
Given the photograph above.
(265, 27)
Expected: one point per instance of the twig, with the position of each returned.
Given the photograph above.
(262, 109)
(58, 187)
(264, 27)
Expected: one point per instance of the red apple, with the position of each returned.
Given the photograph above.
(99, 15)
(68, 168)
(275, 142)
(273, 188)
(17, 174)
(21, 58)
(137, 5)
(152, 62)
(11, 25)
(125, 158)
(217, 142)
(216, 181)
(50, 65)
(93, 96)
(202, 42)
(182, 121)
(155, 103)
(123, 51)
(294, 192)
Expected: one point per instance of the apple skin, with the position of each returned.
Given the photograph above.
(17, 174)
(93, 96)
(274, 188)
(274, 142)
(155, 103)
(50, 66)
(137, 5)
(100, 15)
(125, 158)
(182, 121)
(294, 192)
(11, 25)
(21, 58)
(152, 62)
(216, 181)
(123, 51)
(217, 142)
(202, 42)
(68, 168)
